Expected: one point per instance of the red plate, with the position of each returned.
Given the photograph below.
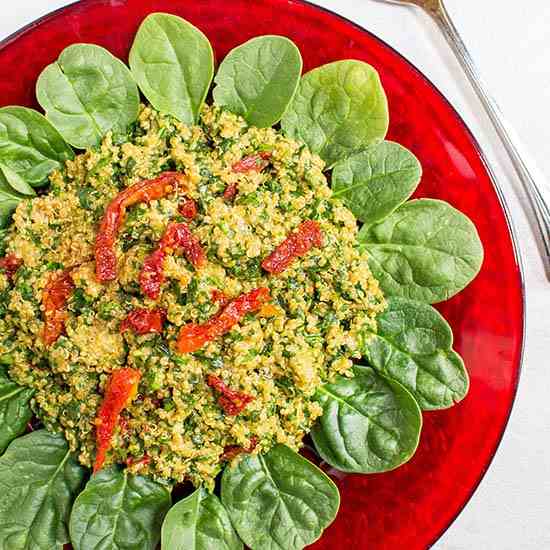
(410, 507)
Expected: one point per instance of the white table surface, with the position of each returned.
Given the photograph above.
(510, 40)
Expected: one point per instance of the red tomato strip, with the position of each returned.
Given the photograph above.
(231, 451)
(192, 336)
(144, 321)
(188, 209)
(297, 244)
(231, 401)
(10, 264)
(218, 297)
(177, 235)
(252, 163)
(143, 191)
(230, 192)
(119, 393)
(131, 461)
(54, 299)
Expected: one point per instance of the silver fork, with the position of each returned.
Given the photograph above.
(537, 190)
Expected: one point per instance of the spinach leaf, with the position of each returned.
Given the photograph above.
(369, 424)
(39, 479)
(86, 93)
(173, 63)
(15, 410)
(278, 501)
(259, 78)
(8, 203)
(30, 148)
(199, 522)
(413, 345)
(426, 250)
(374, 182)
(14, 182)
(338, 109)
(9, 199)
(118, 511)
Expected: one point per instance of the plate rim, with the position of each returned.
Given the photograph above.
(486, 164)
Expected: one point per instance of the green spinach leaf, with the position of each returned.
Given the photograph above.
(119, 511)
(173, 64)
(369, 424)
(86, 93)
(199, 522)
(8, 203)
(259, 78)
(426, 250)
(374, 182)
(39, 479)
(413, 345)
(15, 410)
(30, 148)
(14, 182)
(338, 109)
(9, 199)
(278, 501)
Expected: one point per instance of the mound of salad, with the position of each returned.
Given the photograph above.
(201, 285)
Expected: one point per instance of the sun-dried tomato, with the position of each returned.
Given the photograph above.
(54, 299)
(144, 321)
(231, 401)
(10, 264)
(218, 297)
(231, 451)
(176, 236)
(120, 391)
(230, 192)
(132, 461)
(297, 244)
(143, 191)
(192, 336)
(188, 209)
(252, 163)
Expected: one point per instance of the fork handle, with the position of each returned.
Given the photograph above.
(536, 189)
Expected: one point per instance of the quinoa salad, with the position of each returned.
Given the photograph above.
(306, 334)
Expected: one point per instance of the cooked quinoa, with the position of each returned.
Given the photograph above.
(322, 302)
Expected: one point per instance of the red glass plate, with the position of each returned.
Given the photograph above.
(409, 507)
